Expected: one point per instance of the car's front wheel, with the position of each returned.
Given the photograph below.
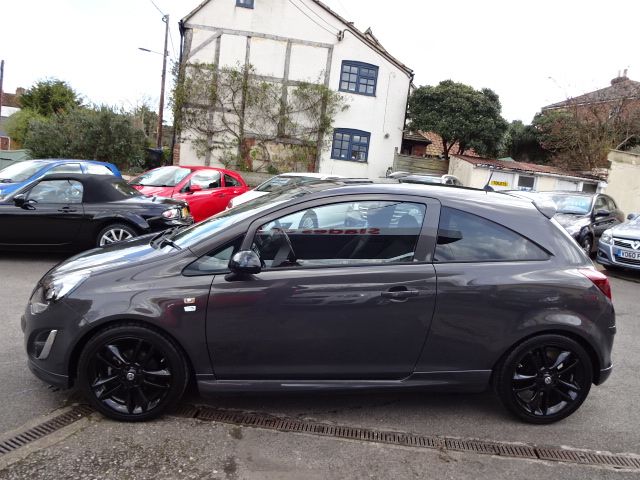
(587, 245)
(544, 379)
(114, 233)
(132, 373)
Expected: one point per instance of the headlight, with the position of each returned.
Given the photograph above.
(607, 237)
(171, 213)
(57, 287)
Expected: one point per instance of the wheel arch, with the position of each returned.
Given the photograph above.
(596, 363)
(72, 363)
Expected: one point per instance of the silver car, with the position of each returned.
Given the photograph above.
(619, 247)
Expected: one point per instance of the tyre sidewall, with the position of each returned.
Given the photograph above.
(172, 353)
(111, 226)
(507, 367)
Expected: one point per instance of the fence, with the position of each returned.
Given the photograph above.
(420, 165)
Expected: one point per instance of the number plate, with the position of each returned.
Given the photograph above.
(625, 254)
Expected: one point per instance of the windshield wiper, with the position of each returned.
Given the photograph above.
(6, 180)
(163, 238)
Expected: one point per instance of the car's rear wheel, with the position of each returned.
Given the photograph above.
(544, 379)
(114, 233)
(132, 373)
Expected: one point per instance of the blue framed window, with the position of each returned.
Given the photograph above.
(358, 77)
(244, 3)
(352, 145)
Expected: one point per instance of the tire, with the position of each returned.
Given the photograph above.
(131, 373)
(114, 233)
(544, 379)
(309, 220)
(587, 245)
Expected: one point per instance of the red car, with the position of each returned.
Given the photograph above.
(207, 190)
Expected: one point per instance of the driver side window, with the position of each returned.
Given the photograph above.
(342, 234)
(56, 191)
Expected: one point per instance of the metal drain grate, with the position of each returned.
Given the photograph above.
(502, 449)
(44, 429)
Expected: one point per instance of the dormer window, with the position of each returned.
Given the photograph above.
(244, 3)
(358, 77)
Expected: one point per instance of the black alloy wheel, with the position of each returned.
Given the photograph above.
(544, 379)
(131, 373)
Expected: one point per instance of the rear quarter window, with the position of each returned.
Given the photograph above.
(464, 237)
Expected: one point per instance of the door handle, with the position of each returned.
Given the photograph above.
(67, 210)
(400, 293)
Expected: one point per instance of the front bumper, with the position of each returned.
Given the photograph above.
(55, 379)
(606, 257)
(50, 362)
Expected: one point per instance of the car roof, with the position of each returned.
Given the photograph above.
(195, 168)
(310, 175)
(97, 188)
(67, 160)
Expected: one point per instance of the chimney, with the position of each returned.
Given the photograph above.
(619, 78)
(20, 91)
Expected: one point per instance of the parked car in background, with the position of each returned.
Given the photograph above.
(207, 190)
(585, 216)
(431, 288)
(619, 247)
(72, 211)
(428, 179)
(19, 174)
(286, 180)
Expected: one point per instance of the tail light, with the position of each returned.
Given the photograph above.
(599, 279)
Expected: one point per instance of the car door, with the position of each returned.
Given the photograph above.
(602, 223)
(207, 198)
(232, 187)
(51, 214)
(350, 299)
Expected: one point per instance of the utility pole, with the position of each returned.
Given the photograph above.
(165, 19)
(1, 79)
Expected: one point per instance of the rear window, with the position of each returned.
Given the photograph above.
(464, 237)
(97, 169)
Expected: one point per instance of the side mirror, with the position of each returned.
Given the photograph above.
(20, 200)
(195, 188)
(633, 216)
(601, 213)
(245, 262)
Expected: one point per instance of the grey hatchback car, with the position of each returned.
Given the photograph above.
(398, 286)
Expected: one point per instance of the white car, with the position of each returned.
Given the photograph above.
(286, 180)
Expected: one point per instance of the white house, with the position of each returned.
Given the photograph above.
(289, 41)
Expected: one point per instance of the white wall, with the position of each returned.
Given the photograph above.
(382, 115)
(624, 180)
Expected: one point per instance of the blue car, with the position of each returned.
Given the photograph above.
(19, 174)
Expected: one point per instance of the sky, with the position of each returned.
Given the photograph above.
(531, 53)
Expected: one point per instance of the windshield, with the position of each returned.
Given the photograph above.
(207, 229)
(572, 204)
(282, 181)
(161, 177)
(19, 172)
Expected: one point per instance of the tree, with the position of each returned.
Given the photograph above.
(18, 124)
(522, 143)
(50, 97)
(460, 114)
(579, 137)
(100, 133)
(234, 110)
